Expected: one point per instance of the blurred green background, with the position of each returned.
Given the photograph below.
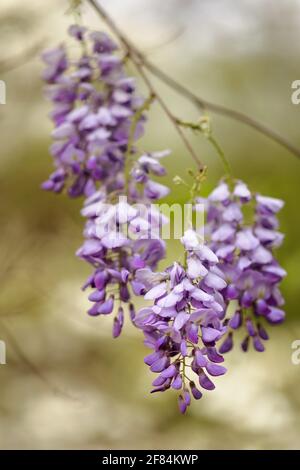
(67, 383)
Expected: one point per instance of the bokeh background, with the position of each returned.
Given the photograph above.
(67, 383)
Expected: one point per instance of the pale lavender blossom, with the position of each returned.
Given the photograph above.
(92, 123)
(184, 323)
(95, 106)
(121, 238)
(247, 261)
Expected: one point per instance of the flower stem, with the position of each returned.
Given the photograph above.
(134, 122)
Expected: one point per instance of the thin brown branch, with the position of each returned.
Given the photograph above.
(221, 110)
(199, 102)
(163, 105)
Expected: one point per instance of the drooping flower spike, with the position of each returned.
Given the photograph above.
(120, 238)
(184, 324)
(98, 117)
(245, 249)
(93, 105)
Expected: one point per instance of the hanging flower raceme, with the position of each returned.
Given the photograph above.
(247, 262)
(123, 236)
(93, 104)
(185, 322)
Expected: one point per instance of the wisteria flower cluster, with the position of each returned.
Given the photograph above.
(247, 262)
(118, 244)
(97, 117)
(184, 323)
(93, 104)
(227, 282)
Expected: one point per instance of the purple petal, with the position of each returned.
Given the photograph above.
(182, 405)
(276, 315)
(231, 292)
(201, 360)
(180, 320)
(132, 312)
(101, 279)
(246, 300)
(261, 307)
(153, 357)
(227, 345)
(137, 287)
(201, 295)
(258, 344)
(107, 306)
(269, 204)
(155, 190)
(233, 213)
(276, 273)
(206, 254)
(163, 388)
(192, 333)
(90, 248)
(144, 317)
(156, 291)
(223, 233)
(214, 281)
(261, 255)
(114, 240)
(160, 364)
(242, 191)
(268, 236)
(97, 295)
(215, 370)
(77, 114)
(177, 382)
(170, 371)
(250, 327)
(220, 194)
(183, 348)
(190, 240)
(124, 293)
(169, 300)
(205, 382)
(187, 397)
(195, 392)
(117, 328)
(64, 130)
(195, 268)
(245, 240)
(262, 332)
(209, 334)
(213, 355)
(245, 344)
(159, 381)
(124, 274)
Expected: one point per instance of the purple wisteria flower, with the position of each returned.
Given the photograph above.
(245, 249)
(122, 235)
(98, 117)
(93, 104)
(184, 323)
